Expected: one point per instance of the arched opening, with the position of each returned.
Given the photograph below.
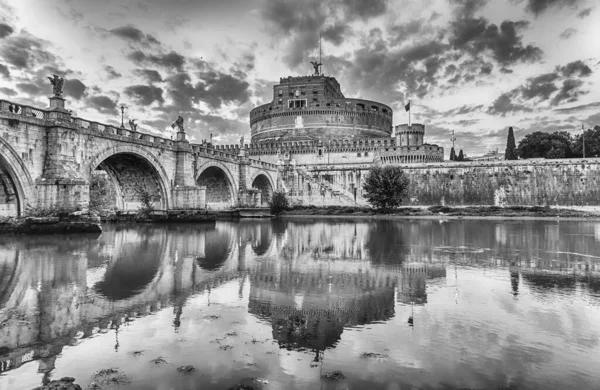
(219, 189)
(262, 183)
(127, 182)
(15, 182)
(9, 201)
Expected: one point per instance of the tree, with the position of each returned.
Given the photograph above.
(146, 207)
(278, 203)
(452, 154)
(511, 148)
(461, 156)
(540, 144)
(385, 187)
(592, 143)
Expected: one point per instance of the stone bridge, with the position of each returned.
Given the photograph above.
(48, 156)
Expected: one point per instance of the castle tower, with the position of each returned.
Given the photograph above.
(410, 135)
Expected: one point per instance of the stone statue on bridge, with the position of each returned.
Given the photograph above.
(179, 124)
(132, 125)
(57, 84)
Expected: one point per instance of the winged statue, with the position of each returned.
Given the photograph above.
(316, 65)
(57, 84)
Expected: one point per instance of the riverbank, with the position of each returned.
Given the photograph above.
(68, 224)
(441, 212)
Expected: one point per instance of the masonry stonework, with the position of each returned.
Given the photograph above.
(47, 158)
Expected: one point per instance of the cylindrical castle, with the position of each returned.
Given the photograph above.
(313, 108)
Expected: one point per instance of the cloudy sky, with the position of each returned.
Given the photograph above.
(472, 66)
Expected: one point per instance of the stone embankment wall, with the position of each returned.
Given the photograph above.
(567, 182)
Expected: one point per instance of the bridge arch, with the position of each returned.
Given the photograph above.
(15, 180)
(220, 184)
(263, 182)
(131, 168)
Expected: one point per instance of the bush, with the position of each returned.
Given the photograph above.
(146, 208)
(278, 203)
(385, 187)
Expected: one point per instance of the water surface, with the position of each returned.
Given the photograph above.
(436, 305)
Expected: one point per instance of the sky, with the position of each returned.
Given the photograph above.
(474, 67)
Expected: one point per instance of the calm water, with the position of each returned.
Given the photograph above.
(455, 304)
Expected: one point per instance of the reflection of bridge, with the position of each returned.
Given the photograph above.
(47, 158)
(308, 283)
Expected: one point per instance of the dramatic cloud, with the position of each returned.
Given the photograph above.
(584, 13)
(151, 75)
(5, 30)
(569, 92)
(539, 6)
(568, 33)
(364, 9)
(170, 60)
(574, 68)
(4, 71)
(503, 43)
(133, 34)
(336, 33)
(7, 91)
(541, 88)
(145, 94)
(103, 104)
(112, 73)
(25, 51)
(28, 88)
(74, 88)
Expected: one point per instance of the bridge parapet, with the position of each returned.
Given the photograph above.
(80, 123)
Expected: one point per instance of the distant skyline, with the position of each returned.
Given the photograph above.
(472, 66)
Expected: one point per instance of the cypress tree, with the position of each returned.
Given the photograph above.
(452, 154)
(460, 157)
(511, 148)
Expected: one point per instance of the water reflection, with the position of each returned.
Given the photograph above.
(311, 283)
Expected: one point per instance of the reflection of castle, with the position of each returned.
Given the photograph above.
(308, 308)
(412, 285)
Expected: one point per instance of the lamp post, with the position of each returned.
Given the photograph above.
(122, 114)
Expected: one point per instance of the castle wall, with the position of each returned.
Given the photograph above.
(566, 182)
(572, 182)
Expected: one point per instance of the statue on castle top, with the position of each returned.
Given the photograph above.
(316, 65)
(132, 125)
(242, 142)
(57, 84)
(179, 124)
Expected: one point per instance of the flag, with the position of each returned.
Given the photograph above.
(407, 107)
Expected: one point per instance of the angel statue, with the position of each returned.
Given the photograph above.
(132, 125)
(57, 84)
(178, 123)
(316, 65)
(242, 142)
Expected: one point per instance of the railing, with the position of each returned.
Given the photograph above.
(32, 112)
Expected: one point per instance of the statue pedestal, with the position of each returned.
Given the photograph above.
(180, 136)
(57, 103)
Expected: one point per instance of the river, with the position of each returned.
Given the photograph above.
(392, 304)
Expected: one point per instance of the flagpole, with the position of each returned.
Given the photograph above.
(408, 112)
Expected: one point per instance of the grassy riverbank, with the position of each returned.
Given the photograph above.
(447, 211)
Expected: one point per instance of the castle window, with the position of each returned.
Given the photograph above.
(361, 106)
(359, 154)
(280, 92)
(366, 154)
(315, 90)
